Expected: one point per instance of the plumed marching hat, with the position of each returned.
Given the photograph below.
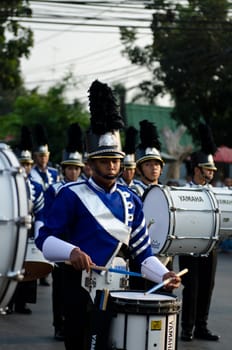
(150, 146)
(26, 145)
(103, 138)
(129, 148)
(204, 157)
(41, 140)
(74, 149)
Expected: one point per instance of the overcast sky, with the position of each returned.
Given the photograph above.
(75, 44)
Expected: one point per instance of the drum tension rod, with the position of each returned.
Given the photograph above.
(14, 275)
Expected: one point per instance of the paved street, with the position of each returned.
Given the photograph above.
(35, 332)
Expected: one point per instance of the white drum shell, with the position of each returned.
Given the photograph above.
(14, 222)
(224, 198)
(154, 327)
(181, 220)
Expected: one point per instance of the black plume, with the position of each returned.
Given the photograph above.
(105, 116)
(26, 143)
(130, 140)
(149, 135)
(208, 145)
(40, 135)
(75, 138)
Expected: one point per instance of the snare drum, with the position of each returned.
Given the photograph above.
(181, 220)
(14, 223)
(143, 322)
(224, 199)
(35, 265)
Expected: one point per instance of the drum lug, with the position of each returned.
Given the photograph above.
(124, 283)
(90, 282)
(14, 275)
(25, 221)
(172, 209)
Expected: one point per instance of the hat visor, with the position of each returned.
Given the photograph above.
(129, 166)
(207, 166)
(72, 162)
(26, 161)
(150, 157)
(106, 154)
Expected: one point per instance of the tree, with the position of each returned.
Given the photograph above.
(15, 43)
(190, 58)
(51, 110)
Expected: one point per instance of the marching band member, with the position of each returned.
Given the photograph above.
(149, 165)
(127, 177)
(71, 167)
(199, 282)
(90, 220)
(149, 161)
(41, 171)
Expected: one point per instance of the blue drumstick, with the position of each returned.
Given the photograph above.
(117, 270)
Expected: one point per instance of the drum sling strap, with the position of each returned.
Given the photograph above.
(100, 316)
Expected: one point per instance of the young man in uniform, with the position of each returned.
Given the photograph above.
(91, 220)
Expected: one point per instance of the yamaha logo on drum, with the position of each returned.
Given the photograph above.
(155, 244)
(224, 201)
(191, 198)
(171, 335)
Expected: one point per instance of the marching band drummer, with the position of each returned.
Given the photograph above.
(89, 221)
(199, 282)
(71, 166)
(149, 164)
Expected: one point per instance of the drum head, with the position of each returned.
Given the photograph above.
(156, 211)
(141, 296)
(141, 303)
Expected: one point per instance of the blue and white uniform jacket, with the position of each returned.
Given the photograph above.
(50, 194)
(36, 195)
(45, 178)
(97, 222)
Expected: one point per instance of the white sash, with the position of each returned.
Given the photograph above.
(102, 214)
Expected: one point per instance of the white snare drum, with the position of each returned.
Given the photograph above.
(143, 322)
(14, 223)
(181, 220)
(224, 199)
(35, 265)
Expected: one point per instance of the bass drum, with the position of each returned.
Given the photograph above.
(224, 199)
(14, 221)
(143, 322)
(181, 220)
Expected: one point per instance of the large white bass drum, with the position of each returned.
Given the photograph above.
(14, 223)
(224, 199)
(181, 220)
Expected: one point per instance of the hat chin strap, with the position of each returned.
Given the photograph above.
(207, 180)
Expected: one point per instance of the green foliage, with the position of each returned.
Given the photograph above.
(51, 110)
(192, 44)
(15, 43)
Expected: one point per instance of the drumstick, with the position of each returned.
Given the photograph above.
(105, 300)
(116, 270)
(162, 284)
(111, 269)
